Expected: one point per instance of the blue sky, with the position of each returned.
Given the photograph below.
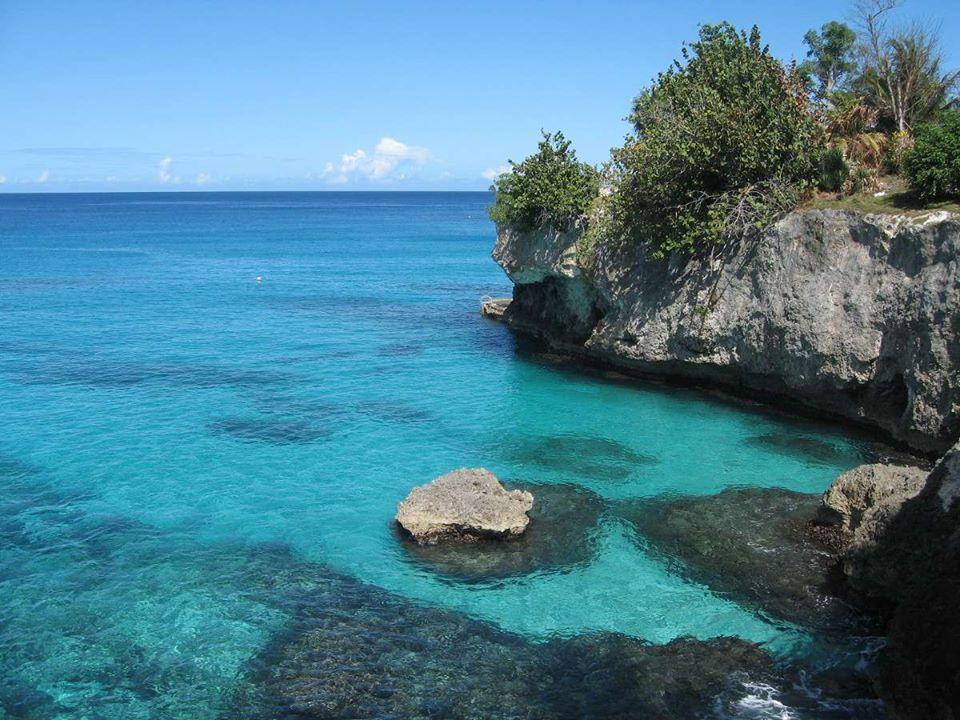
(178, 95)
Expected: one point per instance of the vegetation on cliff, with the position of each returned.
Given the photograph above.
(932, 167)
(729, 139)
(550, 186)
(722, 142)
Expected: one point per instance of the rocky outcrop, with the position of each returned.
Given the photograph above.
(857, 495)
(562, 535)
(856, 315)
(861, 503)
(902, 537)
(465, 505)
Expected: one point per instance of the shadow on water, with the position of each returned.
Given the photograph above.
(109, 374)
(561, 536)
(577, 456)
(870, 444)
(272, 430)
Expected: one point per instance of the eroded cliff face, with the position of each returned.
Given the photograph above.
(857, 315)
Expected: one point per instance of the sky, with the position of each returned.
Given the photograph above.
(309, 95)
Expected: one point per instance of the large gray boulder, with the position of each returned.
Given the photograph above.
(863, 501)
(910, 564)
(465, 505)
(855, 314)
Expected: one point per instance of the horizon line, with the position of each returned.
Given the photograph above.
(213, 192)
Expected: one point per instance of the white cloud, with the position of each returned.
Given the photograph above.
(390, 159)
(3, 179)
(494, 173)
(163, 172)
(43, 177)
(202, 178)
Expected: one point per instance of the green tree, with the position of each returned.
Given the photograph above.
(830, 57)
(723, 142)
(932, 167)
(550, 186)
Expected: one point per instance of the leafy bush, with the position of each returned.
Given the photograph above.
(550, 186)
(833, 171)
(722, 143)
(932, 167)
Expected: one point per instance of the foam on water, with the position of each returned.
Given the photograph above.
(156, 401)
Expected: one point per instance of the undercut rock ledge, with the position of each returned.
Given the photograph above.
(856, 315)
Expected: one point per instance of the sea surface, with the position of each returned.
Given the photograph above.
(209, 400)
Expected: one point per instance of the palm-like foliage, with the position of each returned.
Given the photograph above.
(902, 68)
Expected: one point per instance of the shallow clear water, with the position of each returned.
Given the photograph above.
(166, 417)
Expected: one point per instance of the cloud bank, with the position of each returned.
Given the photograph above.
(494, 173)
(389, 160)
(163, 171)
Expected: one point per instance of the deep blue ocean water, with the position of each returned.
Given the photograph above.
(191, 380)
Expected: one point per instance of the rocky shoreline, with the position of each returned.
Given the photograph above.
(850, 315)
(853, 315)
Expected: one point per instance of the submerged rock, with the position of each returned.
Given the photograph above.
(386, 658)
(840, 311)
(751, 543)
(577, 455)
(806, 449)
(560, 536)
(465, 505)
(271, 430)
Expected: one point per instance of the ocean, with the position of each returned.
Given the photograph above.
(211, 404)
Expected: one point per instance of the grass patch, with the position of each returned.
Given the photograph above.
(896, 200)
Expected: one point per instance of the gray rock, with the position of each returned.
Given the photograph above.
(863, 501)
(465, 505)
(562, 534)
(912, 566)
(853, 314)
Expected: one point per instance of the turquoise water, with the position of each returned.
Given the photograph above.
(169, 421)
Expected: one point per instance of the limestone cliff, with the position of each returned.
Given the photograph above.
(857, 315)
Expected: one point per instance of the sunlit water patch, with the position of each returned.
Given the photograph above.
(176, 433)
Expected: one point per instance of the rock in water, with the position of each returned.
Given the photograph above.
(911, 563)
(562, 534)
(750, 543)
(863, 501)
(465, 505)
